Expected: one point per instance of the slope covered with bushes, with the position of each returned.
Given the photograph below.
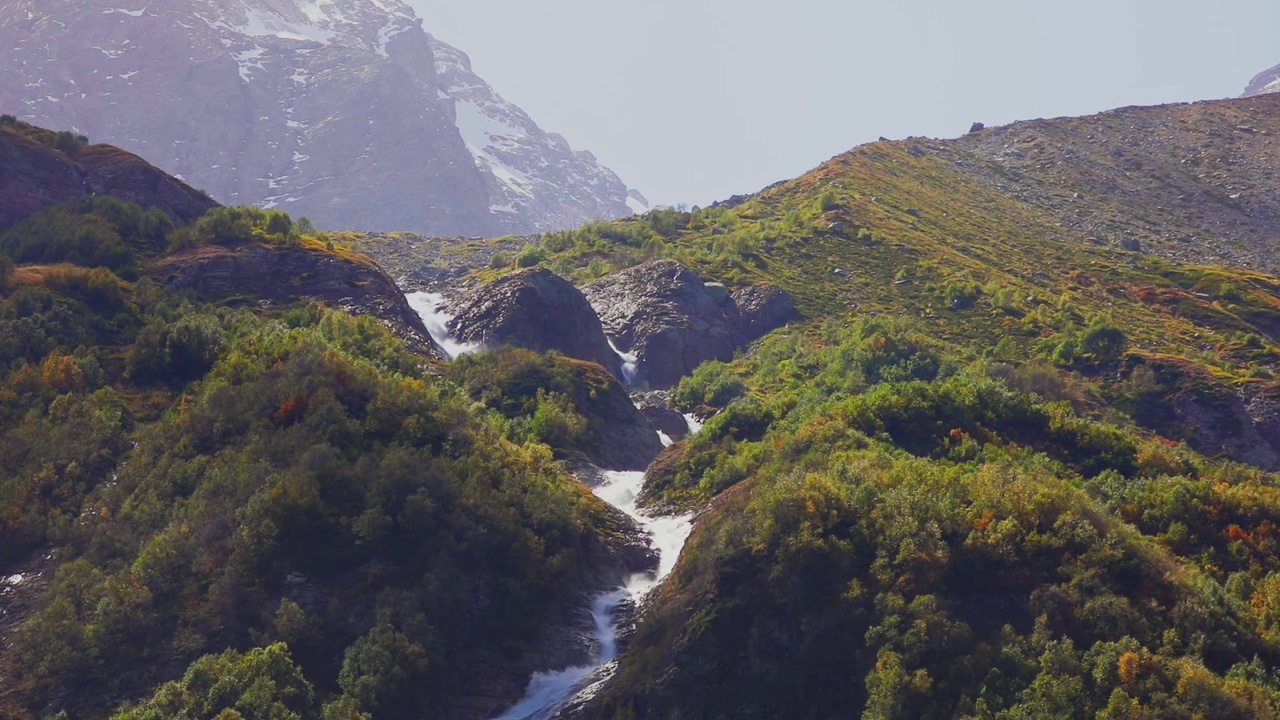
(291, 495)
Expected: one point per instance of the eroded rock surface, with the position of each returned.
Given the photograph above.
(534, 309)
(257, 272)
(673, 321)
(35, 175)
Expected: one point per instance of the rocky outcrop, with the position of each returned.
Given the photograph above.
(534, 309)
(762, 308)
(345, 111)
(35, 174)
(672, 321)
(256, 272)
(1183, 401)
(656, 408)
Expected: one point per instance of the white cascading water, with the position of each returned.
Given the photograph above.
(629, 363)
(549, 691)
(430, 307)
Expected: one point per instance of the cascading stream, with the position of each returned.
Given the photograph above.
(549, 691)
(430, 307)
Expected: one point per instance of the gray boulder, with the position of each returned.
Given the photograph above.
(534, 309)
(672, 321)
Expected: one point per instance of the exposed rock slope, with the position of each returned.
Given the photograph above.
(259, 272)
(672, 321)
(1190, 182)
(346, 111)
(35, 174)
(534, 309)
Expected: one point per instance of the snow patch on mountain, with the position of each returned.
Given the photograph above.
(529, 166)
(1265, 82)
(343, 110)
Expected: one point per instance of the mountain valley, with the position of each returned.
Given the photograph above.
(976, 428)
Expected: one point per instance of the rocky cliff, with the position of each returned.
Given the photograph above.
(672, 321)
(534, 309)
(256, 272)
(345, 111)
(39, 168)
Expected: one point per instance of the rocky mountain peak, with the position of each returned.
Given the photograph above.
(1265, 82)
(345, 111)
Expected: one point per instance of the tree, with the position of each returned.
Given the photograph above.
(262, 684)
(1104, 341)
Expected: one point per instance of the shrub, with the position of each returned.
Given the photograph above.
(235, 225)
(962, 294)
(529, 256)
(262, 683)
(6, 272)
(711, 384)
(1104, 341)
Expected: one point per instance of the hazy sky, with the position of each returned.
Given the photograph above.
(691, 101)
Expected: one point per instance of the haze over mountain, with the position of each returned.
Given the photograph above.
(345, 111)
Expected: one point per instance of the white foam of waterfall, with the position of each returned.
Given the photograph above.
(630, 363)
(693, 422)
(549, 691)
(430, 307)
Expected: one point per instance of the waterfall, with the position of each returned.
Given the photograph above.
(549, 691)
(430, 307)
(630, 363)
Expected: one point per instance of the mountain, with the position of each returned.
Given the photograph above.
(1010, 452)
(345, 111)
(1267, 81)
(149, 335)
(1023, 434)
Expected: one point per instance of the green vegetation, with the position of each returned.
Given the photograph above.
(64, 141)
(236, 225)
(93, 232)
(290, 502)
(1014, 504)
(896, 532)
(990, 477)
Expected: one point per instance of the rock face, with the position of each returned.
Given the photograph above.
(34, 175)
(345, 111)
(1242, 424)
(534, 309)
(1267, 81)
(217, 272)
(672, 321)
(657, 409)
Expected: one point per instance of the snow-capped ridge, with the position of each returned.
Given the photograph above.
(345, 111)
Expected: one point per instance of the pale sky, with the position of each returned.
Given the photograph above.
(692, 101)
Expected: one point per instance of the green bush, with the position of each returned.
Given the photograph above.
(530, 255)
(1104, 341)
(711, 384)
(261, 684)
(236, 225)
(99, 231)
(962, 294)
